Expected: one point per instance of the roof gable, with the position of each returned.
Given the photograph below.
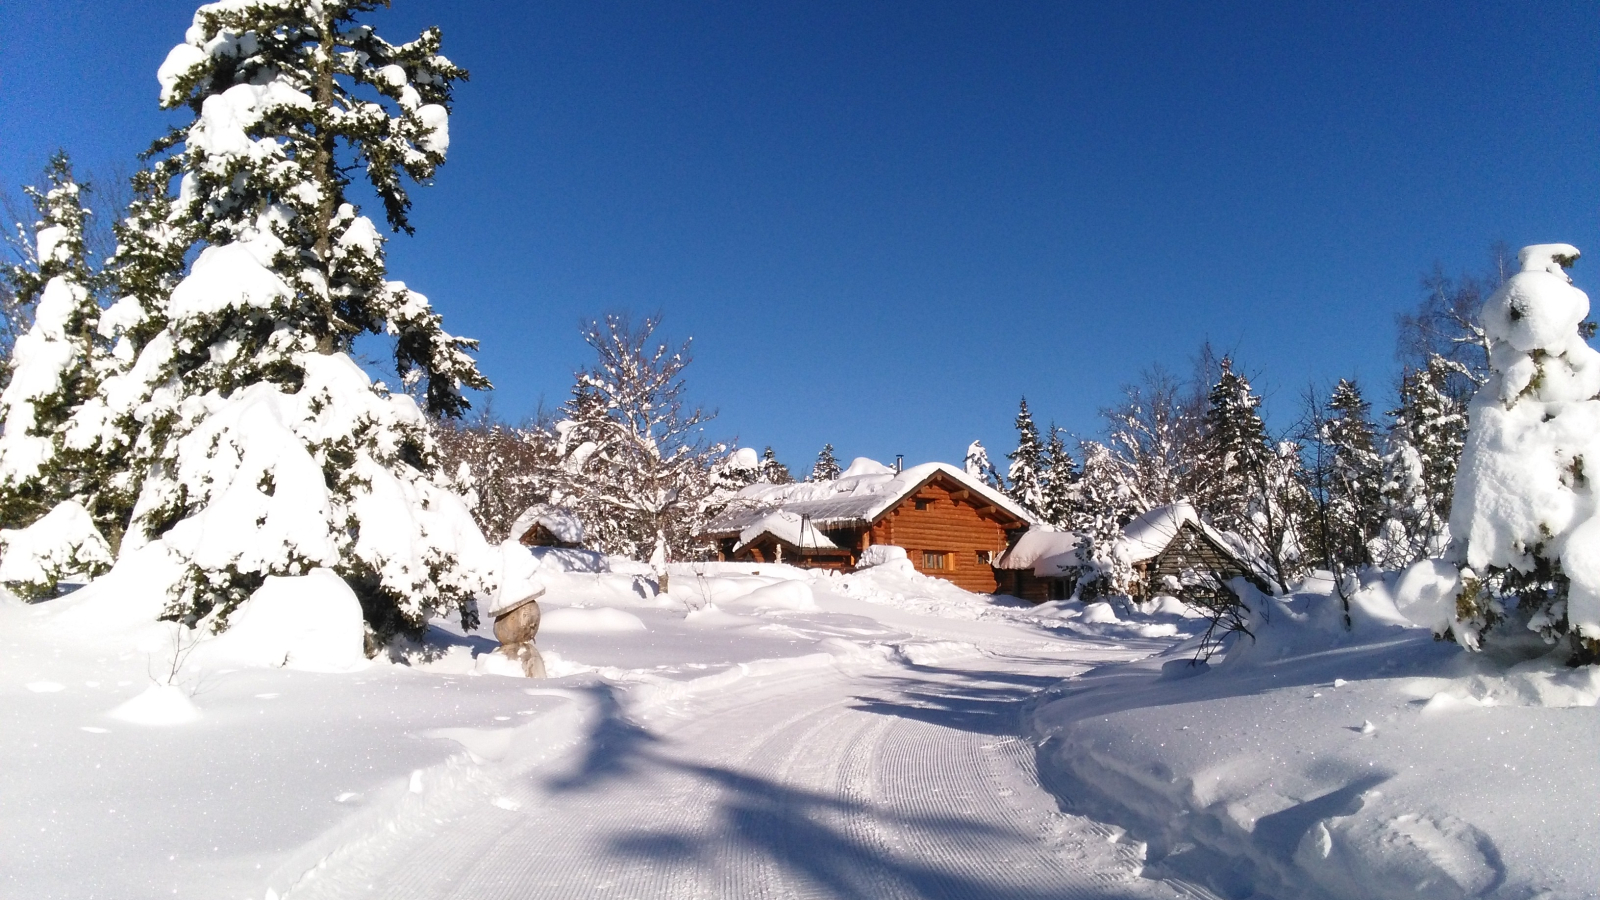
(861, 496)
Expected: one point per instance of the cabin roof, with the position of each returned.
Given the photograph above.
(861, 495)
(1149, 534)
(1049, 553)
(791, 528)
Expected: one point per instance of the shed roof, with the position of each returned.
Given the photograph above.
(1049, 553)
(860, 495)
(791, 528)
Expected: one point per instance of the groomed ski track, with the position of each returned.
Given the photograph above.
(833, 781)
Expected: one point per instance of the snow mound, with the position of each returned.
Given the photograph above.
(576, 620)
(884, 555)
(62, 544)
(159, 704)
(311, 622)
(786, 595)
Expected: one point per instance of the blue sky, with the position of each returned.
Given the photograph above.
(883, 223)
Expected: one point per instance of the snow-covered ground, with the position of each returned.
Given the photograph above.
(759, 730)
(1317, 761)
(763, 731)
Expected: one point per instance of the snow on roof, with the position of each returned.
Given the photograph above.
(791, 528)
(1047, 552)
(563, 524)
(1145, 537)
(1149, 534)
(860, 494)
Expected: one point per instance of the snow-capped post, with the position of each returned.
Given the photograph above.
(263, 449)
(515, 608)
(1525, 523)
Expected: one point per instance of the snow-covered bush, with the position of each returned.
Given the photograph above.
(63, 544)
(1524, 519)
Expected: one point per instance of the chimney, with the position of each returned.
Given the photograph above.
(899, 463)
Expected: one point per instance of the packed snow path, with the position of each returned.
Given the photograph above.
(906, 781)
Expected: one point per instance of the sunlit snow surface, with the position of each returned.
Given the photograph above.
(766, 730)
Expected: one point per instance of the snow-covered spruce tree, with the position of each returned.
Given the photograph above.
(264, 448)
(1252, 487)
(1060, 481)
(1424, 449)
(1354, 483)
(47, 489)
(826, 467)
(772, 471)
(1104, 503)
(52, 367)
(1025, 475)
(977, 465)
(1524, 521)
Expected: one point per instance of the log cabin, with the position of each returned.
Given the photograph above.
(951, 525)
(1169, 549)
(1172, 551)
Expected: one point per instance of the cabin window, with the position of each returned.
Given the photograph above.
(986, 557)
(935, 559)
(922, 503)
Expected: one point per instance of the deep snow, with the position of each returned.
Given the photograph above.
(765, 731)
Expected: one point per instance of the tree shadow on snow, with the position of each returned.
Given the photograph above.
(840, 847)
(614, 748)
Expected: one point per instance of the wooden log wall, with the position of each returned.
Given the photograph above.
(956, 523)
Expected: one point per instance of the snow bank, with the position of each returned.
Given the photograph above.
(311, 622)
(786, 595)
(160, 704)
(1322, 761)
(576, 620)
(887, 555)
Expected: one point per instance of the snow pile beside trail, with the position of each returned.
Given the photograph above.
(575, 620)
(1323, 761)
(311, 622)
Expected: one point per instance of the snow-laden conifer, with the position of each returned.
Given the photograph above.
(977, 465)
(1424, 450)
(1524, 521)
(264, 449)
(1252, 484)
(826, 467)
(1104, 503)
(56, 364)
(1354, 484)
(1060, 488)
(1025, 475)
(772, 471)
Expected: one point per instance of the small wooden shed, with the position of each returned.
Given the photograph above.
(1043, 565)
(1172, 551)
(544, 525)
